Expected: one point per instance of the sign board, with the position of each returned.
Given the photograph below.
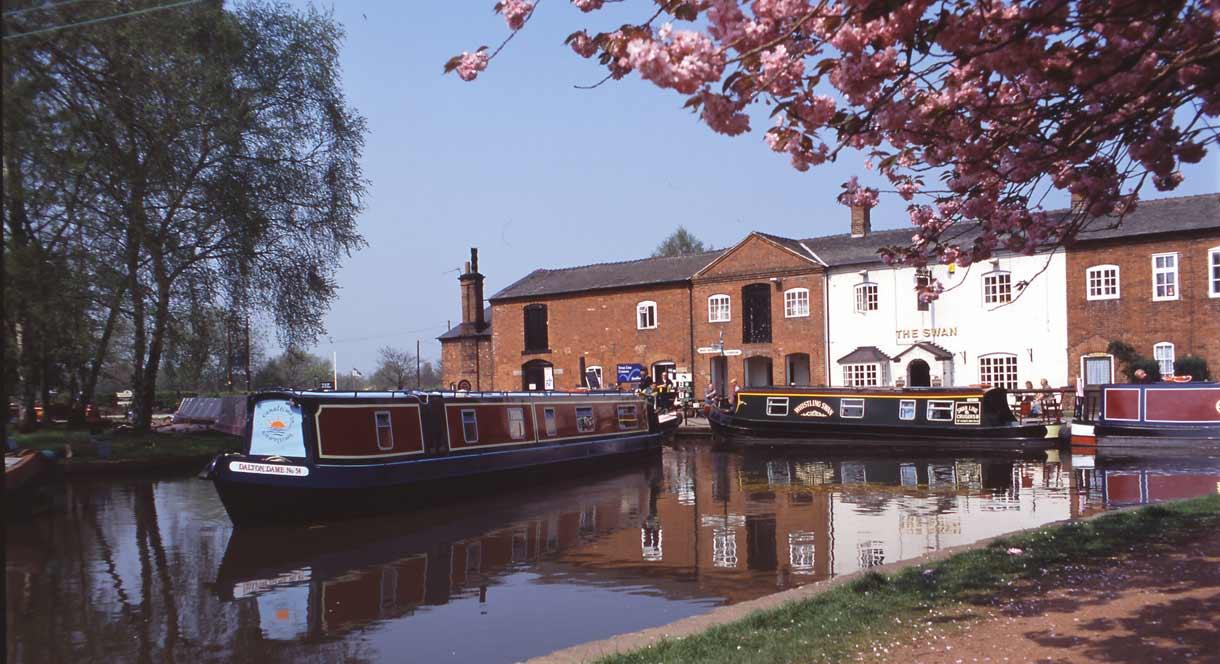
(548, 377)
(966, 412)
(268, 469)
(276, 429)
(629, 373)
(708, 350)
(326, 386)
(732, 352)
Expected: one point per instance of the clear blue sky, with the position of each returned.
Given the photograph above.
(536, 173)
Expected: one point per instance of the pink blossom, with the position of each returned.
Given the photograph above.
(583, 45)
(856, 196)
(588, 5)
(515, 12)
(471, 64)
(724, 115)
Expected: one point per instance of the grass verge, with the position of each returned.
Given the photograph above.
(835, 625)
(125, 446)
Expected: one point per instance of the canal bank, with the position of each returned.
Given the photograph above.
(80, 452)
(923, 609)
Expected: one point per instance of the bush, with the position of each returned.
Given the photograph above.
(1193, 366)
(1150, 366)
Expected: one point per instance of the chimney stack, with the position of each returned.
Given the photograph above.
(1077, 202)
(472, 293)
(861, 221)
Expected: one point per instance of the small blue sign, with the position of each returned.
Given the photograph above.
(629, 373)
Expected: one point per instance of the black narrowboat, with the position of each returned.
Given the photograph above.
(973, 417)
(309, 456)
(1114, 412)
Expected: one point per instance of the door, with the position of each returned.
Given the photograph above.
(659, 369)
(758, 371)
(797, 366)
(919, 374)
(720, 375)
(1098, 370)
(535, 375)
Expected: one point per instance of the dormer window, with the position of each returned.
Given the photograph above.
(646, 315)
(866, 297)
(997, 287)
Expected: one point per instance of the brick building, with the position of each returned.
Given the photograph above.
(1153, 283)
(823, 310)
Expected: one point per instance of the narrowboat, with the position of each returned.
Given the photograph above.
(1112, 413)
(309, 456)
(973, 417)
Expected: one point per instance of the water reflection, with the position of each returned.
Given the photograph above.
(140, 570)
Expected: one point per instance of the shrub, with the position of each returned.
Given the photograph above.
(1149, 365)
(1193, 366)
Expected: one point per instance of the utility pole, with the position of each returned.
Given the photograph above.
(418, 379)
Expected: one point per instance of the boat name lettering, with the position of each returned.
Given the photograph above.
(268, 469)
(925, 332)
(814, 408)
(967, 412)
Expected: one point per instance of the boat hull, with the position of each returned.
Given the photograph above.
(831, 434)
(328, 491)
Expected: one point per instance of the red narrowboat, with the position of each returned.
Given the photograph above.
(315, 455)
(1124, 414)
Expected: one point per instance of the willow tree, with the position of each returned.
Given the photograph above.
(220, 156)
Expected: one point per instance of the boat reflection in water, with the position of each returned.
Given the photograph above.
(527, 571)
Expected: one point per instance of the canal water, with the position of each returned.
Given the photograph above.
(150, 570)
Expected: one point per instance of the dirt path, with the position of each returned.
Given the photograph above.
(1144, 607)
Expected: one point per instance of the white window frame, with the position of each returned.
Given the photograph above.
(844, 404)
(472, 420)
(646, 317)
(719, 308)
(388, 425)
(548, 418)
(935, 406)
(1175, 286)
(858, 375)
(580, 428)
(1084, 363)
(597, 371)
(1008, 379)
(1098, 274)
(1213, 272)
(907, 406)
(1157, 351)
(777, 406)
(868, 297)
(794, 298)
(516, 425)
(992, 291)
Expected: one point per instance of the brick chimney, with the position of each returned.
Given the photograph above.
(1077, 201)
(472, 292)
(861, 221)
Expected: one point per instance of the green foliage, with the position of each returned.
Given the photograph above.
(680, 243)
(1193, 366)
(1150, 366)
(295, 369)
(1122, 351)
(837, 624)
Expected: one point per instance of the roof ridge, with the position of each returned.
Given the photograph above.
(624, 262)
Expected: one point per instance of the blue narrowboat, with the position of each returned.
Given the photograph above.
(316, 455)
(1153, 410)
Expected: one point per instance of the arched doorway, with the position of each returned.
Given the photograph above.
(758, 371)
(918, 374)
(537, 375)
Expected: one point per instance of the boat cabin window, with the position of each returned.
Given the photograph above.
(940, 411)
(516, 423)
(470, 426)
(851, 408)
(906, 409)
(584, 420)
(385, 430)
(548, 418)
(627, 418)
(777, 406)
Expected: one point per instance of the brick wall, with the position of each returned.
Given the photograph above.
(1191, 323)
(600, 326)
(468, 358)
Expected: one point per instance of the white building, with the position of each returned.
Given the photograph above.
(1001, 322)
